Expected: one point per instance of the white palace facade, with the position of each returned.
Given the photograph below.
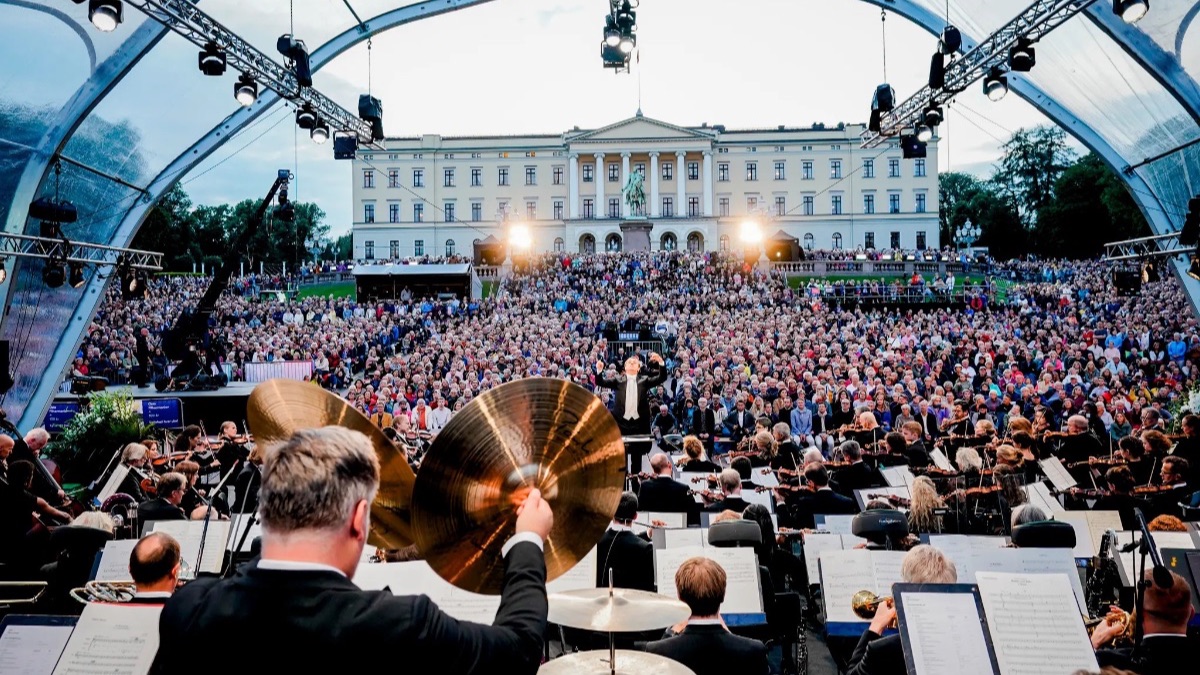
(435, 195)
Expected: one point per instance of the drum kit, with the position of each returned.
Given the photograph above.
(459, 509)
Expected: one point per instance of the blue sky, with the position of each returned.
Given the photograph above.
(513, 66)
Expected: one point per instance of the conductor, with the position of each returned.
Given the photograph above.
(632, 407)
(297, 602)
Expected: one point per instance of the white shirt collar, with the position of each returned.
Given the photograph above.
(152, 595)
(296, 566)
(704, 622)
(617, 527)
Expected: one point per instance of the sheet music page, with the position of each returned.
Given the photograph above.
(671, 519)
(844, 573)
(114, 481)
(582, 575)
(32, 650)
(835, 523)
(742, 591)
(1039, 495)
(815, 545)
(1028, 561)
(113, 639)
(1083, 537)
(114, 561)
(945, 634)
(767, 499)
(1131, 562)
(238, 526)
(940, 460)
(1100, 522)
(1057, 473)
(1035, 624)
(862, 496)
(898, 476)
(418, 578)
(885, 565)
(963, 550)
(764, 477)
(189, 534)
(685, 537)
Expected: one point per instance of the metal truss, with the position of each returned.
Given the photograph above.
(63, 250)
(1144, 248)
(1032, 24)
(185, 18)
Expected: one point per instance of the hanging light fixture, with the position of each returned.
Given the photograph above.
(245, 90)
(77, 279)
(211, 60)
(106, 15)
(305, 117)
(320, 132)
(995, 85)
(1131, 11)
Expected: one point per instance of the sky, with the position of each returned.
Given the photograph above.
(517, 66)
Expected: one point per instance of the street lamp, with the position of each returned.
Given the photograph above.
(967, 235)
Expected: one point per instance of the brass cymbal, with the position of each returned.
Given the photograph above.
(541, 433)
(623, 611)
(628, 662)
(278, 408)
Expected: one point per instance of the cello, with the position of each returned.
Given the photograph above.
(47, 475)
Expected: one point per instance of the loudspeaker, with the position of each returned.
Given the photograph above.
(6, 381)
(55, 212)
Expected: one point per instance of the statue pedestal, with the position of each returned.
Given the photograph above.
(635, 235)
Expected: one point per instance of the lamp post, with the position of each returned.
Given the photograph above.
(967, 235)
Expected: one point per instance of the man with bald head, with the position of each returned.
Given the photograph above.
(154, 566)
(663, 493)
(1079, 443)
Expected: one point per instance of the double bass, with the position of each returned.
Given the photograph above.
(47, 476)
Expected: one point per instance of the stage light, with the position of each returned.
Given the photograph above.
(924, 134)
(1194, 267)
(305, 117)
(52, 274)
(297, 53)
(106, 15)
(212, 60)
(77, 279)
(995, 85)
(612, 34)
(951, 40)
(933, 116)
(628, 42)
(245, 90)
(3, 272)
(1022, 57)
(1131, 11)
(937, 71)
(370, 109)
(320, 132)
(884, 99)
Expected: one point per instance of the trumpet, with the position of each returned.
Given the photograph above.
(1115, 617)
(865, 603)
(104, 591)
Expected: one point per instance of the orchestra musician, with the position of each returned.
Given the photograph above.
(914, 448)
(6, 447)
(696, 460)
(154, 566)
(192, 497)
(730, 482)
(628, 555)
(867, 431)
(1079, 444)
(857, 475)
(196, 445)
(924, 505)
(314, 505)
(18, 505)
(1173, 488)
(959, 422)
(232, 446)
(1119, 496)
(662, 493)
(787, 453)
(247, 483)
(165, 506)
(815, 497)
(1188, 447)
(1165, 649)
(134, 456)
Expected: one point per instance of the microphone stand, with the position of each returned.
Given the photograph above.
(1161, 577)
(253, 519)
(208, 513)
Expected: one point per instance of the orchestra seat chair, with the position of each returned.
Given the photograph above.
(735, 534)
(74, 548)
(1044, 534)
(884, 528)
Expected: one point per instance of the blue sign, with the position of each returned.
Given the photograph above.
(59, 415)
(164, 413)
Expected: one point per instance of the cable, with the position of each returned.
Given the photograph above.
(369, 68)
(883, 29)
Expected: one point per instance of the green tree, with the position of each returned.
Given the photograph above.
(1027, 173)
(169, 229)
(342, 248)
(963, 197)
(1091, 206)
(956, 191)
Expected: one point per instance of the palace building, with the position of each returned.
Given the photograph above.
(437, 195)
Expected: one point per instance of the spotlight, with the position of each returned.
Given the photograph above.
(937, 71)
(995, 85)
(106, 15)
(884, 99)
(212, 60)
(924, 134)
(912, 147)
(297, 52)
(52, 274)
(1190, 232)
(345, 146)
(3, 272)
(1194, 267)
(628, 42)
(1131, 11)
(933, 116)
(370, 109)
(320, 132)
(305, 117)
(77, 279)
(612, 34)
(1022, 57)
(245, 90)
(951, 40)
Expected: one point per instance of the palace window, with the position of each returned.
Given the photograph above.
(368, 178)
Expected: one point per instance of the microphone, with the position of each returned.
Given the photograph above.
(1162, 575)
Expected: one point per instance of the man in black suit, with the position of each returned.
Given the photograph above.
(703, 643)
(704, 423)
(818, 499)
(663, 493)
(876, 654)
(633, 416)
(314, 504)
(1165, 649)
(629, 556)
(857, 476)
(730, 482)
(165, 506)
(740, 422)
(154, 567)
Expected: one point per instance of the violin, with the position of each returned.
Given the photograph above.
(169, 459)
(975, 491)
(934, 472)
(1157, 489)
(896, 500)
(1098, 463)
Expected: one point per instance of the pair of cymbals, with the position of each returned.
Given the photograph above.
(461, 508)
(626, 662)
(615, 610)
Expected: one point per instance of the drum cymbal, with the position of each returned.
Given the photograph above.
(628, 663)
(278, 408)
(624, 611)
(541, 433)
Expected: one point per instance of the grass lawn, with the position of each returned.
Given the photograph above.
(338, 289)
(489, 287)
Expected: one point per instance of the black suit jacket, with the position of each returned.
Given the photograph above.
(712, 650)
(731, 503)
(856, 477)
(876, 655)
(650, 376)
(665, 494)
(824, 502)
(324, 623)
(1161, 655)
(159, 509)
(631, 559)
(245, 489)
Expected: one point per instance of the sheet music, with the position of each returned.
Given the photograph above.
(743, 595)
(1035, 625)
(945, 636)
(1130, 563)
(767, 499)
(1039, 495)
(671, 519)
(114, 482)
(32, 650)
(1090, 527)
(863, 499)
(939, 460)
(835, 523)
(844, 573)
(1057, 473)
(189, 533)
(685, 537)
(418, 578)
(1022, 561)
(898, 476)
(582, 575)
(814, 545)
(764, 477)
(114, 561)
(113, 639)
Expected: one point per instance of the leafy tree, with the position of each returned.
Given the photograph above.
(1091, 206)
(963, 197)
(1027, 173)
(169, 229)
